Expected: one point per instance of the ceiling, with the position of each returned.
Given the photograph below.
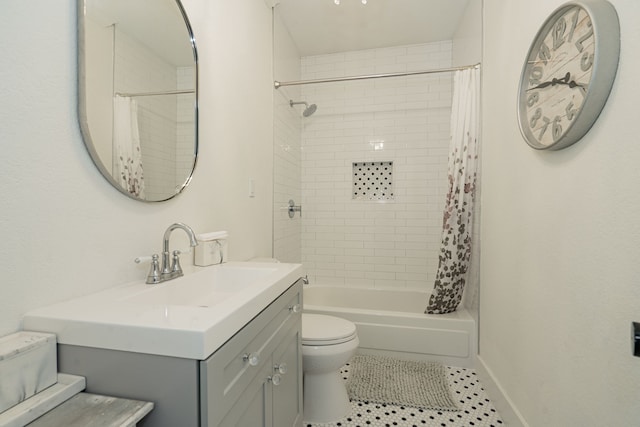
(321, 27)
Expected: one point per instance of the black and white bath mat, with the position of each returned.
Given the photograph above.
(380, 379)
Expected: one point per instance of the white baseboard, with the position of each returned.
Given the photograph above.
(505, 407)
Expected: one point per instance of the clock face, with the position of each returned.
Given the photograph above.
(557, 76)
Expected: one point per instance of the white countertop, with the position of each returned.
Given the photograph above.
(188, 317)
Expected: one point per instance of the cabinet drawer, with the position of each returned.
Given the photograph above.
(228, 372)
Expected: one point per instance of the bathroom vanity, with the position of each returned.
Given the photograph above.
(220, 348)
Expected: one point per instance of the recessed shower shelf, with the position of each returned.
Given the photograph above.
(373, 181)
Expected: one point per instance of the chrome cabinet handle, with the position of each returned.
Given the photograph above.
(295, 308)
(252, 358)
(281, 368)
(275, 379)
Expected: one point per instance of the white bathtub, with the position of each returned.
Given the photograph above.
(392, 323)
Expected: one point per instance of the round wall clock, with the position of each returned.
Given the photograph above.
(568, 73)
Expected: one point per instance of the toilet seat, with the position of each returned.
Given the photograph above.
(320, 330)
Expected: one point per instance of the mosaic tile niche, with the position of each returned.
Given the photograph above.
(373, 181)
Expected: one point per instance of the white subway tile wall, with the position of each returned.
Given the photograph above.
(404, 120)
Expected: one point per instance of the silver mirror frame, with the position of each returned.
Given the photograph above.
(82, 110)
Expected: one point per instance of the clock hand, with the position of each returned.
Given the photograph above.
(542, 85)
(573, 84)
(561, 81)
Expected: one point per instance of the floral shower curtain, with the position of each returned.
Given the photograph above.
(127, 158)
(455, 251)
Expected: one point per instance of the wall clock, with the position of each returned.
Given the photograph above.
(568, 73)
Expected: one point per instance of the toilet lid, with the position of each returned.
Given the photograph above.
(319, 329)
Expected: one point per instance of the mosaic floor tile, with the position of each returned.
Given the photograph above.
(476, 409)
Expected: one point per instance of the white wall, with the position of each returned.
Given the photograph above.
(467, 40)
(287, 146)
(66, 232)
(560, 240)
(99, 88)
(467, 50)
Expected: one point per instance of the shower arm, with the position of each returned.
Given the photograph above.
(308, 109)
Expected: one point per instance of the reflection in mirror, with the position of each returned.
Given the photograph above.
(138, 94)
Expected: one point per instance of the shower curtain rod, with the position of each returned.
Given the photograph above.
(169, 92)
(278, 84)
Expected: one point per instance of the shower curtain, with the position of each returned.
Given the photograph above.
(455, 251)
(127, 159)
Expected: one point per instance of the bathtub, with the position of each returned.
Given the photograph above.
(393, 323)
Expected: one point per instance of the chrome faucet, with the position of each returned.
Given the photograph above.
(169, 270)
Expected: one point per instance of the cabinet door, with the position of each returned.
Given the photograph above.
(287, 396)
(254, 408)
(239, 391)
(227, 374)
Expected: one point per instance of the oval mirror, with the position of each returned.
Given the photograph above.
(137, 95)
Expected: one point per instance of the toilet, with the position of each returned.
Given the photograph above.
(328, 343)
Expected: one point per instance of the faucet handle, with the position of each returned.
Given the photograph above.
(154, 271)
(176, 269)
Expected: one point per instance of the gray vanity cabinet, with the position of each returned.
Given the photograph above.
(236, 386)
(255, 379)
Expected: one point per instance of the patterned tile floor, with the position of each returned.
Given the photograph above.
(475, 408)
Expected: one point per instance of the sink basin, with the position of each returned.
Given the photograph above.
(190, 317)
(206, 289)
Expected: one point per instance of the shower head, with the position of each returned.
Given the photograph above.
(309, 109)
